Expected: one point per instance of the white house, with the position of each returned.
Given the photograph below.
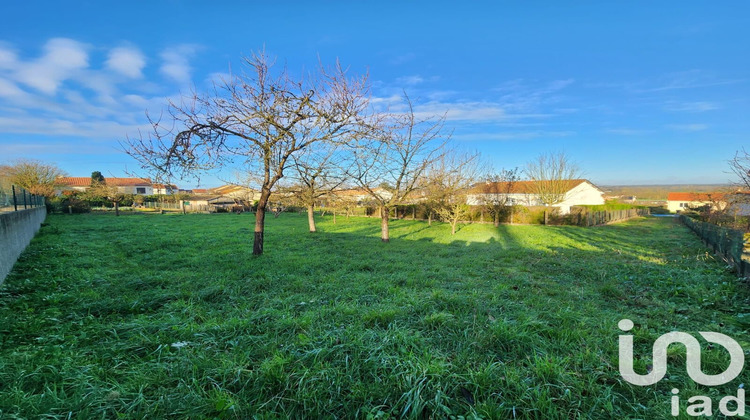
(236, 191)
(139, 186)
(680, 201)
(579, 192)
(360, 196)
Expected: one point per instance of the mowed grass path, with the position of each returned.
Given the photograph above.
(169, 316)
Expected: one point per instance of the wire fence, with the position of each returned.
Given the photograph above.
(728, 242)
(15, 198)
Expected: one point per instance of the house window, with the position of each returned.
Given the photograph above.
(140, 190)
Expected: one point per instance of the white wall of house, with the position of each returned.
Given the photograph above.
(584, 194)
(675, 206)
(163, 190)
(137, 189)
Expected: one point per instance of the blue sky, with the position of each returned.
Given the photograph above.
(635, 92)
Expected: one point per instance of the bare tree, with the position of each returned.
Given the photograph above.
(317, 174)
(259, 119)
(390, 163)
(740, 166)
(451, 178)
(551, 175)
(740, 199)
(36, 177)
(495, 193)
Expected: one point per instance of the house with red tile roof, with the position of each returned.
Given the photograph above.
(578, 192)
(681, 201)
(139, 186)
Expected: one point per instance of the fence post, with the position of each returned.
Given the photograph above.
(24, 199)
(15, 201)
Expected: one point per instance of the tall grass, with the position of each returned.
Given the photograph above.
(152, 316)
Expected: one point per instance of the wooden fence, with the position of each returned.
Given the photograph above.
(595, 218)
(730, 243)
(189, 208)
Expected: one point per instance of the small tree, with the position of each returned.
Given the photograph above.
(390, 163)
(451, 178)
(260, 119)
(551, 175)
(318, 173)
(495, 193)
(96, 178)
(111, 193)
(36, 177)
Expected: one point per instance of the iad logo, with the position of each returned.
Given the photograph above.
(702, 405)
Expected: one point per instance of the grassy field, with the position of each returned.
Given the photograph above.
(152, 316)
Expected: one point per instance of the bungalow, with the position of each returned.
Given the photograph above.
(206, 202)
(139, 186)
(578, 192)
(245, 194)
(680, 201)
(360, 196)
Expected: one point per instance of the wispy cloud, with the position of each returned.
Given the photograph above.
(513, 135)
(627, 131)
(687, 127)
(176, 64)
(690, 79)
(414, 80)
(128, 61)
(690, 106)
(61, 60)
(62, 93)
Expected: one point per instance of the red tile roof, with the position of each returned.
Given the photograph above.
(518, 187)
(81, 181)
(688, 196)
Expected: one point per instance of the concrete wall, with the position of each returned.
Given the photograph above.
(16, 230)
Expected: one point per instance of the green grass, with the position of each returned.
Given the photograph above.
(152, 316)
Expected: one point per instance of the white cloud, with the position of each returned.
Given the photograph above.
(690, 106)
(410, 80)
(58, 93)
(626, 131)
(8, 58)
(9, 89)
(513, 135)
(176, 63)
(687, 127)
(690, 79)
(128, 61)
(62, 59)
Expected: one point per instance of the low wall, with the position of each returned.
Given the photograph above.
(16, 231)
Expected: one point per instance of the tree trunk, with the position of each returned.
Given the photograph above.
(414, 213)
(453, 227)
(545, 217)
(481, 216)
(429, 218)
(182, 204)
(117, 208)
(311, 217)
(260, 219)
(511, 215)
(384, 215)
(496, 218)
(334, 216)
